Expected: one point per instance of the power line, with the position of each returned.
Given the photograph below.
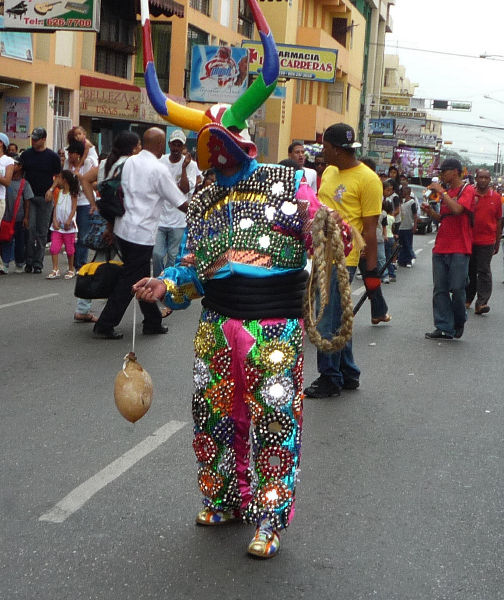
(444, 53)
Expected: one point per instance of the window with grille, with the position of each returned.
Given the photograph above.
(115, 43)
(245, 19)
(339, 30)
(201, 5)
(161, 41)
(61, 102)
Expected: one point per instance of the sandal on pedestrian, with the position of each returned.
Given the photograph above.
(266, 541)
(54, 274)
(482, 309)
(384, 319)
(85, 318)
(166, 312)
(69, 274)
(214, 517)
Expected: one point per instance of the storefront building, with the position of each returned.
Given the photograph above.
(60, 79)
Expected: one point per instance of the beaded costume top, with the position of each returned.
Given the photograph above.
(255, 228)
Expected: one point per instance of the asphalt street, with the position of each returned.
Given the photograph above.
(400, 493)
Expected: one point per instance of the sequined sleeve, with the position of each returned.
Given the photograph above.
(182, 286)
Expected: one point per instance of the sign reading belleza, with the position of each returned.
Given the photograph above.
(296, 62)
(73, 15)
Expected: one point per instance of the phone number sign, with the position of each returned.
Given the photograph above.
(35, 15)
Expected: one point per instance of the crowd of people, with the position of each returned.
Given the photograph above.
(166, 240)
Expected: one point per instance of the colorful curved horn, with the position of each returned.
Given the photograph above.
(237, 114)
(177, 114)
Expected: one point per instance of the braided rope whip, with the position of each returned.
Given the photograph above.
(328, 249)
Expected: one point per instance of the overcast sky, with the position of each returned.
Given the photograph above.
(458, 27)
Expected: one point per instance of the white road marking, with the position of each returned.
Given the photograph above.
(28, 300)
(431, 241)
(81, 494)
(419, 250)
(359, 291)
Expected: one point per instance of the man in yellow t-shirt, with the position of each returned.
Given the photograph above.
(355, 191)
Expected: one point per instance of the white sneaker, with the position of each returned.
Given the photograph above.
(19, 269)
(413, 261)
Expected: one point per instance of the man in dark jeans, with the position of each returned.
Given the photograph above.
(451, 252)
(487, 231)
(146, 184)
(40, 165)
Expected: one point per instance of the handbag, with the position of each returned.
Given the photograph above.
(94, 237)
(97, 279)
(7, 227)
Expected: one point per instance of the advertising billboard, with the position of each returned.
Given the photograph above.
(74, 15)
(381, 127)
(218, 73)
(296, 62)
(416, 162)
(15, 45)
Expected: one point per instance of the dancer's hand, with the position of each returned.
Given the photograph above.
(149, 289)
(371, 280)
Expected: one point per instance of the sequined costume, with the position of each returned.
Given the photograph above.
(247, 405)
(247, 235)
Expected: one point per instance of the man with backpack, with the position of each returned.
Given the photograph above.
(146, 184)
(451, 252)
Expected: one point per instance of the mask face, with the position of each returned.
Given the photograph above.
(223, 139)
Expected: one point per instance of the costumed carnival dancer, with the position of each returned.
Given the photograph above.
(245, 253)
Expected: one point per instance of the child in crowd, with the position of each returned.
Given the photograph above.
(390, 273)
(78, 134)
(63, 226)
(15, 249)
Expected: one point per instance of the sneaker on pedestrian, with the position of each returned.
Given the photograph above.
(409, 265)
(28, 269)
(350, 383)
(413, 261)
(322, 387)
(4, 270)
(386, 280)
(36, 270)
(19, 269)
(437, 334)
(459, 332)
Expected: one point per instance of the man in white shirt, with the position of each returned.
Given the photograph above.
(147, 184)
(172, 222)
(296, 153)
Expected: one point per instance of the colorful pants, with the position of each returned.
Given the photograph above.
(247, 410)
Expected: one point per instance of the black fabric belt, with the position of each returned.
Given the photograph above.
(247, 298)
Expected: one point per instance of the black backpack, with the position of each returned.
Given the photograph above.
(111, 202)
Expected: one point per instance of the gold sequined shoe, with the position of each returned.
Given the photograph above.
(266, 541)
(214, 517)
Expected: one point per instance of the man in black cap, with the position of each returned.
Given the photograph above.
(355, 191)
(40, 165)
(451, 252)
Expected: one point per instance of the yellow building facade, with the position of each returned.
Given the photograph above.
(95, 79)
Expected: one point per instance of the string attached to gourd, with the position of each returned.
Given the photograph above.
(133, 384)
(328, 249)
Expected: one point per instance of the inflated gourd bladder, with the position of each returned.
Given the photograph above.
(133, 389)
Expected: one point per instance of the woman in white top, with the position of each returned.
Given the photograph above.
(6, 171)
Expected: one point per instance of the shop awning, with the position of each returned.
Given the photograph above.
(167, 8)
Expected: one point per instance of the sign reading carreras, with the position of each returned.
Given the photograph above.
(296, 62)
(83, 15)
